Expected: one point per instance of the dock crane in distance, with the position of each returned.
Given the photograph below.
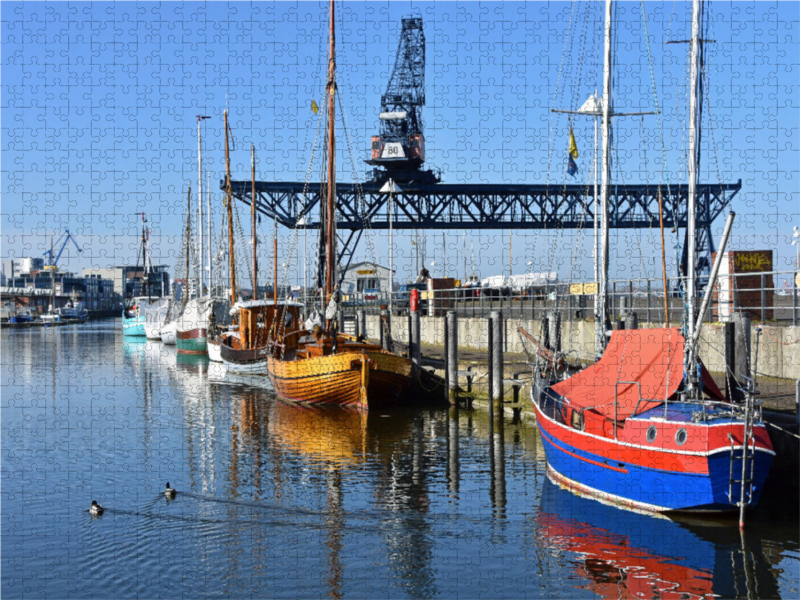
(52, 265)
(399, 148)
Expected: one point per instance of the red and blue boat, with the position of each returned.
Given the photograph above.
(621, 431)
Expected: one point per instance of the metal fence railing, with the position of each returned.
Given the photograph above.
(769, 297)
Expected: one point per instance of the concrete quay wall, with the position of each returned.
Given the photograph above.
(778, 347)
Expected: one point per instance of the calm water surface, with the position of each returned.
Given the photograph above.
(281, 501)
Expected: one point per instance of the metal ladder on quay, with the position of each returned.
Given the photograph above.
(746, 456)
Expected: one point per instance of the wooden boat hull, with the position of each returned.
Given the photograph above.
(364, 380)
(252, 361)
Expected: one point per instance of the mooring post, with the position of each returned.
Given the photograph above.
(554, 330)
(446, 389)
(732, 390)
(415, 348)
(743, 346)
(382, 329)
(490, 345)
(452, 356)
(497, 358)
(632, 321)
(545, 332)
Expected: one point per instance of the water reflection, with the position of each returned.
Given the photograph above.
(283, 500)
(623, 554)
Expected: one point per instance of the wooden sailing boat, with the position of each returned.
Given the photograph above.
(326, 366)
(244, 349)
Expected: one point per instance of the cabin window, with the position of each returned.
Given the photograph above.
(651, 433)
(680, 437)
(415, 143)
(376, 145)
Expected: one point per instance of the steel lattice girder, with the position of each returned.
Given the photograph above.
(486, 206)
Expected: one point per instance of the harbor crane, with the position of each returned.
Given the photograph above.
(399, 149)
(52, 264)
(398, 153)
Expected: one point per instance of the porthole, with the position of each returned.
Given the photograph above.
(651, 433)
(680, 437)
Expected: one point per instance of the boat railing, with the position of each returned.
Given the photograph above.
(616, 385)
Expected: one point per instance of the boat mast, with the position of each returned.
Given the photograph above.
(228, 202)
(199, 211)
(52, 277)
(185, 293)
(253, 216)
(691, 209)
(208, 234)
(605, 180)
(330, 259)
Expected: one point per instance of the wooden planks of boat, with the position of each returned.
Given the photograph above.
(358, 375)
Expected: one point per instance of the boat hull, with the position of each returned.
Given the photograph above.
(192, 342)
(647, 478)
(214, 350)
(252, 361)
(169, 333)
(342, 379)
(133, 326)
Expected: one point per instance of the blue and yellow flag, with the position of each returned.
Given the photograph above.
(573, 147)
(572, 168)
(314, 107)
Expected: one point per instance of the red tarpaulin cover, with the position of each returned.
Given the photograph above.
(652, 357)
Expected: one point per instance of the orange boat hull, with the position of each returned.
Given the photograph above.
(365, 380)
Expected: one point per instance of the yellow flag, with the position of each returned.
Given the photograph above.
(573, 147)
(314, 107)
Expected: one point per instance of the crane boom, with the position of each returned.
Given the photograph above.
(52, 265)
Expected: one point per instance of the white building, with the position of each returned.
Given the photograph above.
(366, 277)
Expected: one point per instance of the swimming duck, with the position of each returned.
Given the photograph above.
(95, 509)
(169, 492)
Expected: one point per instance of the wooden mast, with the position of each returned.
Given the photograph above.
(230, 213)
(253, 216)
(330, 259)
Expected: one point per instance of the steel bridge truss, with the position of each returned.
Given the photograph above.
(488, 206)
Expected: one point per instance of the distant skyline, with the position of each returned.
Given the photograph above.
(99, 103)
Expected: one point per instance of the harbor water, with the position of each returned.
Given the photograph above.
(277, 500)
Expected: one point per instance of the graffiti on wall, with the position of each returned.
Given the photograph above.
(744, 262)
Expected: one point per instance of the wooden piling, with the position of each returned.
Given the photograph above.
(732, 390)
(452, 356)
(497, 356)
(554, 330)
(631, 321)
(490, 345)
(743, 346)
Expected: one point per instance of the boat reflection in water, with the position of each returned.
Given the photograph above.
(626, 554)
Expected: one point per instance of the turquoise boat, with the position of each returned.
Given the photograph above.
(133, 315)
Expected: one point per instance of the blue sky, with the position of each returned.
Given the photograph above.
(99, 100)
